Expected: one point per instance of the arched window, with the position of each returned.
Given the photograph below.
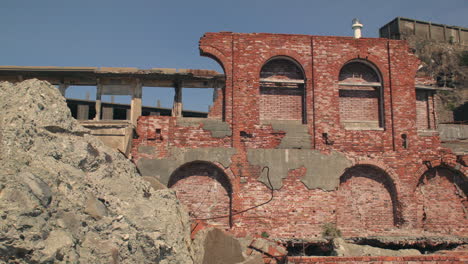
(361, 104)
(368, 201)
(443, 202)
(282, 90)
(206, 191)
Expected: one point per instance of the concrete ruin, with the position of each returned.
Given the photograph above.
(304, 131)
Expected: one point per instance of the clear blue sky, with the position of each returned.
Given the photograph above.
(165, 34)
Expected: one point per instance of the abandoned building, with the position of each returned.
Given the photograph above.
(311, 130)
(304, 131)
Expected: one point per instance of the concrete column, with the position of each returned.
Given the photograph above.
(177, 107)
(107, 113)
(82, 112)
(63, 88)
(98, 101)
(135, 107)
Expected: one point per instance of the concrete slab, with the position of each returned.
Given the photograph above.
(323, 171)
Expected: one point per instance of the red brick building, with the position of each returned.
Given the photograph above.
(311, 130)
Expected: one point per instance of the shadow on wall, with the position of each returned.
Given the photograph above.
(460, 114)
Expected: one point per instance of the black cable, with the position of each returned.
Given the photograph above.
(248, 209)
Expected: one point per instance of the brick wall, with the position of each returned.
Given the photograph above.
(367, 201)
(281, 103)
(217, 108)
(382, 193)
(388, 260)
(212, 198)
(422, 110)
(359, 104)
(425, 110)
(443, 203)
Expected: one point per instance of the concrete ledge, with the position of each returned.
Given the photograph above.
(427, 133)
(362, 125)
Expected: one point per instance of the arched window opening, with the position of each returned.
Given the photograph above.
(368, 201)
(360, 91)
(206, 191)
(443, 202)
(282, 90)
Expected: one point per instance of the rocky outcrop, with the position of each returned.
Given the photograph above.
(67, 198)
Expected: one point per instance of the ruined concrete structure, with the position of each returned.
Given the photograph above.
(310, 130)
(401, 28)
(114, 124)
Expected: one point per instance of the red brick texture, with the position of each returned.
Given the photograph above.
(213, 194)
(387, 260)
(400, 183)
(425, 114)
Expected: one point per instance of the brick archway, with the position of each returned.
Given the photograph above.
(206, 191)
(442, 201)
(367, 202)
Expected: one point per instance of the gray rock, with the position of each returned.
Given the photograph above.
(154, 183)
(95, 208)
(343, 249)
(215, 246)
(38, 187)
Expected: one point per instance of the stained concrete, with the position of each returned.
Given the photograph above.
(343, 249)
(146, 150)
(163, 168)
(297, 134)
(218, 128)
(213, 246)
(323, 171)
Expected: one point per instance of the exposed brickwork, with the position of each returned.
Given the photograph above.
(367, 202)
(211, 199)
(443, 203)
(217, 109)
(383, 193)
(280, 103)
(359, 105)
(425, 115)
(388, 260)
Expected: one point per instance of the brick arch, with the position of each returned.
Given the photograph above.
(367, 201)
(218, 56)
(449, 163)
(442, 197)
(368, 60)
(219, 108)
(283, 53)
(282, 100)
(367, 63)
(206, 189)
(378, 164)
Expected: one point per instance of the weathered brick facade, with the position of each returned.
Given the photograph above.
(291, 97)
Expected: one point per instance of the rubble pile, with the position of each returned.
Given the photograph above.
(66, 197)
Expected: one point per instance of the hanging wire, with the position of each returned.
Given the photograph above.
(250, 208)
